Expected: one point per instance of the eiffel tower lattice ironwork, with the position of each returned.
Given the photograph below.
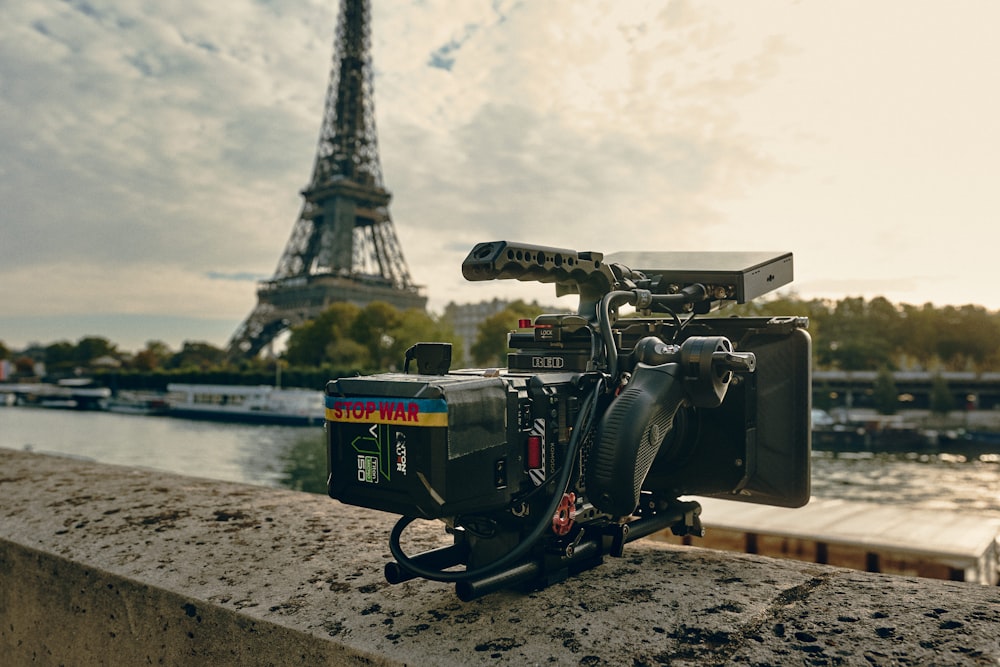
(343, 246)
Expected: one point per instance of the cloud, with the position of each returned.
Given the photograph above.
(137, 135)
(150, 149)
(153, 154)
(239, 277)
(581, 130)
(86, 288)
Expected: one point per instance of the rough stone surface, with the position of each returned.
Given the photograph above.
(103, 564)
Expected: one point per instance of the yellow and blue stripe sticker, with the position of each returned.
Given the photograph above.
(381, 410)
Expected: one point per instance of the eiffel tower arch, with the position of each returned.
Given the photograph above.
(343, 246)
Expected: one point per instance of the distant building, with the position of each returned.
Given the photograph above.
(465, 320)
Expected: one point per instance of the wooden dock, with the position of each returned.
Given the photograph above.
(860, 536)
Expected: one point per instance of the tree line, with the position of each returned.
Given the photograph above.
(858, 334)
(849, 334)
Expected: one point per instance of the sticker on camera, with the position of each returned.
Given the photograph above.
(373, 410)
(381, 453)
(536, 469)
(367, 469)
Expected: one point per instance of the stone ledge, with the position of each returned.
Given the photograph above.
(101, 563)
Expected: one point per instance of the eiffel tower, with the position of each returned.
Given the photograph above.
(343, 246)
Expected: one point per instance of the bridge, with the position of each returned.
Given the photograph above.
(970, 390)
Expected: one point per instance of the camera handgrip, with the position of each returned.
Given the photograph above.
(630, 434)
(499, 260)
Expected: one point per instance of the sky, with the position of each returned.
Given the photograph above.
(152, 154)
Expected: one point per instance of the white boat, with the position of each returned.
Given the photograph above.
(138, 403)
(260, 404)
(73, 394)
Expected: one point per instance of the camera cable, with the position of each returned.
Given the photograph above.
(584, 423)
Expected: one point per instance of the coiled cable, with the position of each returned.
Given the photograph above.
(584, 423)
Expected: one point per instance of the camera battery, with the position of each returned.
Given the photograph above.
(419, 445)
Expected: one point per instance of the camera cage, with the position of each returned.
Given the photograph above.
(738, 276)
(666, 403)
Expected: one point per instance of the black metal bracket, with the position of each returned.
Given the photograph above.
(560, 559)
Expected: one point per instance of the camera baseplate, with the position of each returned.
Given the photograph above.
(582, 549)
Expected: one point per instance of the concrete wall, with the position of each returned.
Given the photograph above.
(102, 564)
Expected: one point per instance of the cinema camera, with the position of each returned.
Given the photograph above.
(596, 428)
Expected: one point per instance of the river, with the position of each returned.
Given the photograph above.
(295, 457)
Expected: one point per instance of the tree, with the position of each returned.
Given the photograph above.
(859, 334)
(325, 338)
(979, 332)
(375, 337)
(4, 350)
(198, 355)
(822, 397)
(346, 353)
(376, 328)
(917, 336)
(884, 392)
(24, 366)
(941, 400)
(153, 356)
(387, 333)
(60, 357)
(91, 348)
(416, 326)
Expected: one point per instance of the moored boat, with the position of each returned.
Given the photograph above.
(138, 403)
(72, 394)
(258, 404)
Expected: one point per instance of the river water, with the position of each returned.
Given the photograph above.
(294, 457)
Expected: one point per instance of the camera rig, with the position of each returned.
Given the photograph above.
(597, 427)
